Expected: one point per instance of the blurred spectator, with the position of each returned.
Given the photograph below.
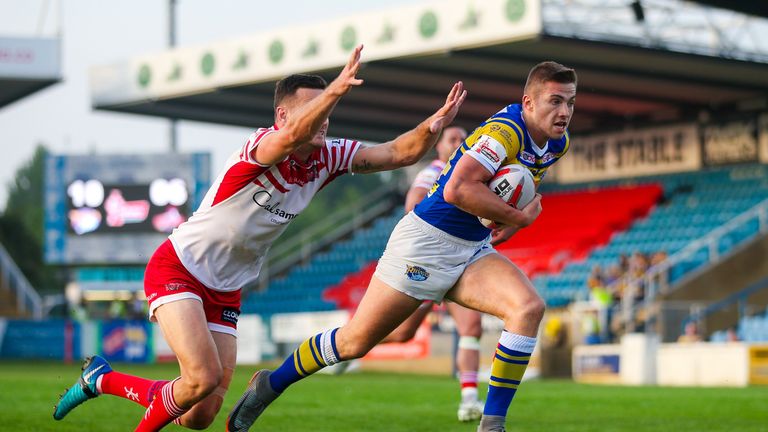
(623, 263)
(638, 265)
(658, 258)
(554, 333)
(731, 335)
(590, 327)
(117, 309)
(138, 307)
(690, 334)
(77, 311)
(598, 293)
(613, 278)
(662, 279)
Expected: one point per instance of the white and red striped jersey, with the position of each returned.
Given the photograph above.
(249, 205)
(427, 177)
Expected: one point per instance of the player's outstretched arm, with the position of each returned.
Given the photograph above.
(467, 189)
(304, 124)
(411, 146)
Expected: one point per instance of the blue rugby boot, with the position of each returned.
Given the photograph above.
(84, 388)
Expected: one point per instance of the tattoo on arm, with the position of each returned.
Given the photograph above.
(364, 166)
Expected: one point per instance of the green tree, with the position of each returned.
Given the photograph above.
(21, 224)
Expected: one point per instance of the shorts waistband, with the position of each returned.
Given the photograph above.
(437, 232)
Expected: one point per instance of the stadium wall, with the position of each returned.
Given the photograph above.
(641, 360)
(131, 341)
(658, 150)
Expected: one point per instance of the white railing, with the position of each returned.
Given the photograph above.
(28, 300)
(334, 226)
(655, 280)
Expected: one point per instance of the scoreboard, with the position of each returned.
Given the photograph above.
(116, 209)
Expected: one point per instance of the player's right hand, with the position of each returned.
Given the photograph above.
(532, 210)
(347, 79)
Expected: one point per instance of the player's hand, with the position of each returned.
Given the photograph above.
(347, 77)
(532, 210)
(445, 115)
(502, 234)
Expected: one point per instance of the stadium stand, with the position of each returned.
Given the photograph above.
(302, 289)
(694, 204)
(749, 329)
(583, 226)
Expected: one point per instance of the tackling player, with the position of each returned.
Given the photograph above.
(193, 280)
(440, 250)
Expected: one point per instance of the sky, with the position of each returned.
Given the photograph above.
(96, 32)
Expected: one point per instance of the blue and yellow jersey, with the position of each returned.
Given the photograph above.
(501, 140)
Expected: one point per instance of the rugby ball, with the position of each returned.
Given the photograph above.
(514, 184)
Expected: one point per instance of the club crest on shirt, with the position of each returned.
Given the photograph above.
(416, 273)
(175, 286)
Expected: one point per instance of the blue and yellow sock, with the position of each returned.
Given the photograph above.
(512, 356)
(312, 355)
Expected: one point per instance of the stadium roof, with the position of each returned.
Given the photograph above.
(26, 66)
(633, 68)
(748, 7)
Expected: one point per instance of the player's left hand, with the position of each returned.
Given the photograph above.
(502, 234)
(445, 115)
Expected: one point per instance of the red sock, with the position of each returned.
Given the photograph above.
(137, 389)
(468, 379)
(161, 411)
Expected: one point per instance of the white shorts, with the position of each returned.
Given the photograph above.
(425, 262)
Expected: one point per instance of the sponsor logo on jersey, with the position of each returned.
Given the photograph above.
(230, 315)
(486, 150)
(527, 157)
(175, 286)
(416, 273)
(548, 156)
(262, 199)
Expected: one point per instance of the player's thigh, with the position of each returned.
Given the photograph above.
(226, 345)
(494, 285)
(185, 328)
(468, 322)
(381, 310)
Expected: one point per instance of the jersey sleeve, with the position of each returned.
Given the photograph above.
(246, 153)
(340, 153)
(425, 178)
(495, 143)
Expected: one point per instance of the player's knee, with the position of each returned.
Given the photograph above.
(205, 380)
(533, 309)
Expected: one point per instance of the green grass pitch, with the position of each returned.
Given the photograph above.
(372, 402)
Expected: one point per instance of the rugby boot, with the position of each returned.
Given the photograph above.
(254, 401)
(84, 388)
